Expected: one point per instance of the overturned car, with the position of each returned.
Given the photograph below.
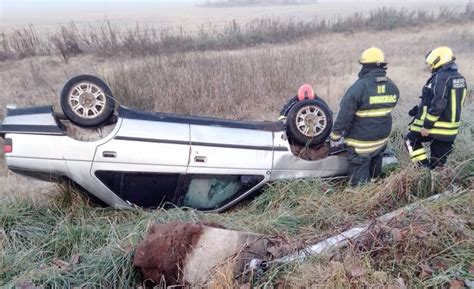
(153, 159)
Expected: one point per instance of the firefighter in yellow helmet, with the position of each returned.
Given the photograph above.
(364, 120)
(437, 117)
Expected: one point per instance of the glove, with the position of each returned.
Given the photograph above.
(412, 112)
(424, 132)
(282, 118)
(336, 147)
(335, 144)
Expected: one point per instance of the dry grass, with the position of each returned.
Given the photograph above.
(245, 84)
(249, 83)
(107, 39)
(252, 83)
(304, 211)
(14, 187)
(431, 246)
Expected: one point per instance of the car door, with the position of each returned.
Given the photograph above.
(145, 162)
(226, 164)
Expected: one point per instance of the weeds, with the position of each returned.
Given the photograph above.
(422, 248)
(67, 42)
(44, 235)
(24, 43)
(65, 242)
(107, 39)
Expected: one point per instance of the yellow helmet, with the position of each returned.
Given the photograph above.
(372, 55)
(439, 57)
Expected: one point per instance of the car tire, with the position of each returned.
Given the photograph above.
(87, 101)
(309, 122)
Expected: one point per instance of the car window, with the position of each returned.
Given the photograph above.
(212, 191)
(146, 190)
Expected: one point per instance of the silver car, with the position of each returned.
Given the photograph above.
(158, 159)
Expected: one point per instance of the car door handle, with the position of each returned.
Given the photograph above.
(200, 159)
(109, 154)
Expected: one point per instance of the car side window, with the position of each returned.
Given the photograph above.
(208, 192)
(148, 190)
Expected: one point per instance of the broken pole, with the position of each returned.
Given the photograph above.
(343, 238)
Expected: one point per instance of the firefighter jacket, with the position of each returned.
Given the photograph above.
(287, 107)
(440, 109)
(364, 118)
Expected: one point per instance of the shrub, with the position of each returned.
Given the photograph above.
(107, 39)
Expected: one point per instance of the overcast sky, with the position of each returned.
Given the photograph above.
(13, 5)
(17, 8)
(9, 4)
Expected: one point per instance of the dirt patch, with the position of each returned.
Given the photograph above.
(87, 134)
(311, 153)
(161, 255)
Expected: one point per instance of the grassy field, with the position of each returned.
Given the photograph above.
(51, 238)
(248, 83)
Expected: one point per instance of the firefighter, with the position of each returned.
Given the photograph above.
(437, 117)
(304, 92)
(364, 120)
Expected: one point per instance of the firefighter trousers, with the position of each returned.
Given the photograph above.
(362, 168)
(439, 150)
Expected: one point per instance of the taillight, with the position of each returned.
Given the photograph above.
(8, 146)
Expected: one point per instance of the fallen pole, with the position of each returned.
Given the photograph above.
(343, 238)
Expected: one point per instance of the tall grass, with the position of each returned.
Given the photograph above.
(64, 242)
(67, 243)
(249, 83)
(213, 84)
(427, 248)
(107, 39)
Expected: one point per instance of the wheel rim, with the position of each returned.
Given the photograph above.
(87, 100)
(311, 121)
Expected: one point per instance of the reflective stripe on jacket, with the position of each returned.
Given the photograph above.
(442, 99)
(364, 118)
(366, 147)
